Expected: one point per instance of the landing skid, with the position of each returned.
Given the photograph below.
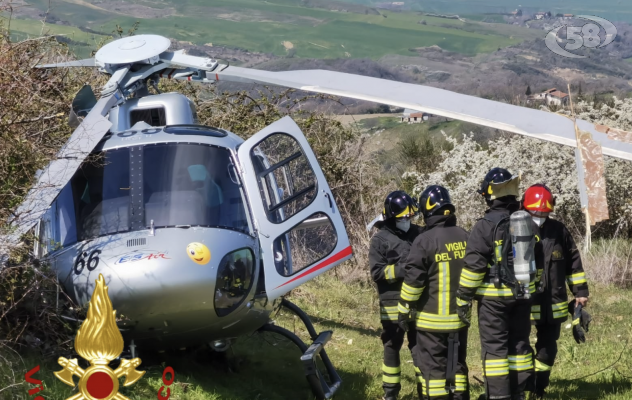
(320, 387)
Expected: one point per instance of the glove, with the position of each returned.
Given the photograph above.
(404, 318)
(464, 310)
(581, 321)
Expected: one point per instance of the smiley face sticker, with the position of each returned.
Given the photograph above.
(199, 253)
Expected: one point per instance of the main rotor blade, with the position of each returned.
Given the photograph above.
(88, 62)
(60, 170)
(521, 120)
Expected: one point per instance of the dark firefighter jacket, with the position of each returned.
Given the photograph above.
(387, 254)
(562, 265)
(481, 251)
(433, 268)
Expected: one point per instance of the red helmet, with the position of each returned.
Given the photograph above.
(538, 198)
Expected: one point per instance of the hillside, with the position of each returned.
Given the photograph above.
(296, 28)
(614, 10)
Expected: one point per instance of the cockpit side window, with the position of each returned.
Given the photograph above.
(101, 195)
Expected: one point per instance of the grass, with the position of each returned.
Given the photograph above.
(315, 33)
(22, 29)
(271, 370)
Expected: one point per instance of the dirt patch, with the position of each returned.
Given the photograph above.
(288, 45)
(134, 10)
(253, 16)
(233, 55)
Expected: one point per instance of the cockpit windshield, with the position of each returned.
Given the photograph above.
(191, 184)
(179, 184)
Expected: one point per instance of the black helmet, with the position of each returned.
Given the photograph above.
(399, 204)
(497, 176)
(435, 200)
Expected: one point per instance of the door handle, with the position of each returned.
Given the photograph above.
(331, 204)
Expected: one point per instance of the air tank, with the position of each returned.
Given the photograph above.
(523, 242)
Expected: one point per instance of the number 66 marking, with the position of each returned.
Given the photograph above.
(92, 263)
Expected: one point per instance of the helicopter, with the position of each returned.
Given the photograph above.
(198, 233)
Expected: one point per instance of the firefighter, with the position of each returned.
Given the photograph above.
(388, 250)
(433, 268)
(562, 262)
(503, 319)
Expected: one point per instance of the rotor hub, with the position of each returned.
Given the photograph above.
(133, 49)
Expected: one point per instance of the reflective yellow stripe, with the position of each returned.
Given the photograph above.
(389, 273)
(407, 212)
(391, 379)
(488, 289)
(471, 279)
(469, 283)
(496, 367)
(444, 288)
(389, 313)
(474, 276)
(501, 362)
(535, 316)
(559, 314)
(499, 253)
(412, 290)
(417, 370)
(391, 370)
(576, 321)
(460, 302)
(402, 309)
(437, 387)
(521, 367)
(576, 279)
(520, 362)
(540, 366)
(460, 382)
(439, 322)
(535, 308)
(560, 306)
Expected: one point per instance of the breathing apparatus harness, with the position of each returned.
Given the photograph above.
(502, 270)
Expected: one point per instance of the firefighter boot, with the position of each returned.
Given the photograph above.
(391, 393)
(519, 396)
(541, 383)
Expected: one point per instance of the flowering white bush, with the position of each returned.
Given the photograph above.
(463, 168)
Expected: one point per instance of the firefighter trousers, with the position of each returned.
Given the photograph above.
(431, 358)
(507, 356)
(393, 340)
(545, 353)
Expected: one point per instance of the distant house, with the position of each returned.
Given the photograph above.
(517, 13)
(550, 97)
(568, 16)
(542, 15)
(414, 116)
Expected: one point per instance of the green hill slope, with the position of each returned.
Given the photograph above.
(311, 29)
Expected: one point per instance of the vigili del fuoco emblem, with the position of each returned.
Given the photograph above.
(99, 341)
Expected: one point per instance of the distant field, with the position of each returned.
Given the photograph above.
(265, 26)
(22, 29)
(616, 10)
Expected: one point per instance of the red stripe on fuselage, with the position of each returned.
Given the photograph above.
(340, 255)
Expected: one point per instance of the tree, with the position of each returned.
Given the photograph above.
(580, 93)
(528, 92)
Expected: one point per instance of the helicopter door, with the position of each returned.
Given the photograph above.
(300, 227)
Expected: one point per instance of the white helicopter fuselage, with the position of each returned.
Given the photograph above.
(167, 215)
